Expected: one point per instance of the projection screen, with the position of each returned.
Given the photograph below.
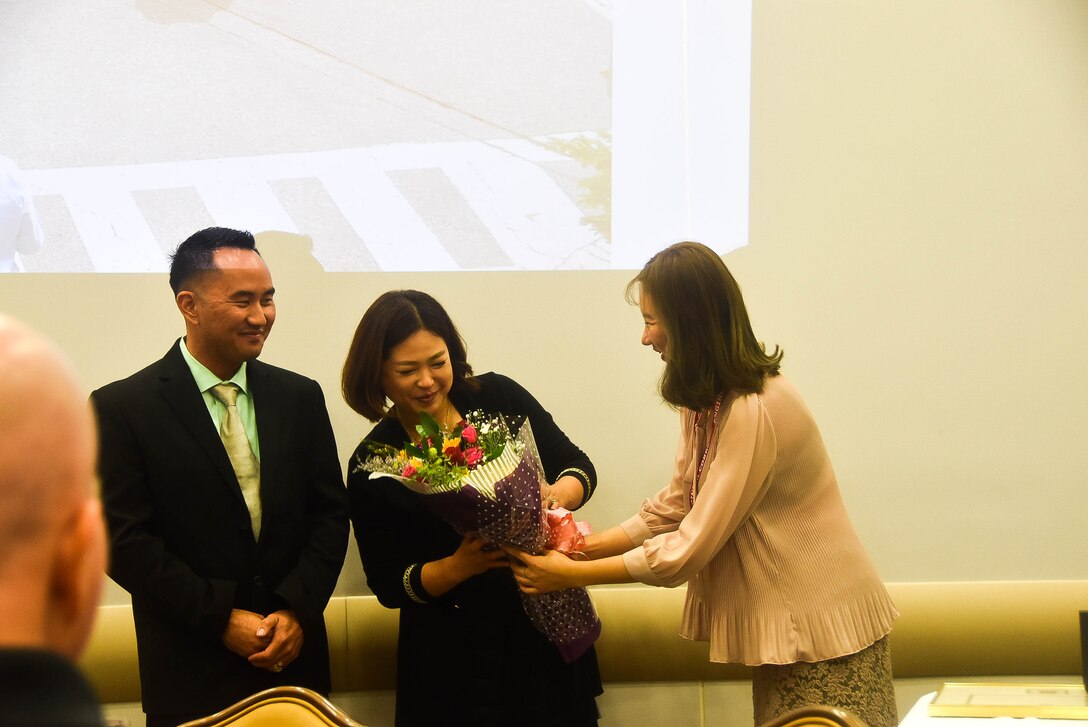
(417, 135)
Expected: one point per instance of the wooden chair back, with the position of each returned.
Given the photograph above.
(279, 706)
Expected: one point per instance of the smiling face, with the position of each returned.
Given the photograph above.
(653, 332)
(417, 376)
(229, 311)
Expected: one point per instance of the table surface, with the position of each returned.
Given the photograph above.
(918, 716)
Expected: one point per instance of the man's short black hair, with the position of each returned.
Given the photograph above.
(195, 256)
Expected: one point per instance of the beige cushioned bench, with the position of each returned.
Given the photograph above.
(983, 628)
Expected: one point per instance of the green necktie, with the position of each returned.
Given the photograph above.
(246, 467)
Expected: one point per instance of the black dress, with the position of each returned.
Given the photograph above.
(471, 656)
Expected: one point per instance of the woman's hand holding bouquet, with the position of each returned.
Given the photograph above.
(483, 480)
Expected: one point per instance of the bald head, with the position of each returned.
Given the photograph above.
(46, 440)
(49, 510)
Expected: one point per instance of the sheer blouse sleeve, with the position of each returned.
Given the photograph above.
(681, 540)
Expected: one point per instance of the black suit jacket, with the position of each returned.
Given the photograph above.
(40, 688)
(180, 534)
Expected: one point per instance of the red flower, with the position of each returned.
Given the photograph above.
(473, 456)
(468, 434)
(408, 471)
(455, 455)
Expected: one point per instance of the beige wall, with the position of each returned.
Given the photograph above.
(919, 214)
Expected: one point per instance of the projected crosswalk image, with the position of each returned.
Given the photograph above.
(419, 135)
(398, 207)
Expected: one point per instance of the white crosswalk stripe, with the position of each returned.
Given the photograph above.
(529, 215)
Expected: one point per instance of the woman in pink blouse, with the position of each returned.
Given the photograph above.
(752, 519)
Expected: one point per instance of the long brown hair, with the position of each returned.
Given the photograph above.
(711, 347)
(388, 322)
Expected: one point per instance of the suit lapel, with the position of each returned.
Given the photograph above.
(181, 394)
(268, 403)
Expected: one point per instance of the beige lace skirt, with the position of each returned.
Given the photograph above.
(860, 683)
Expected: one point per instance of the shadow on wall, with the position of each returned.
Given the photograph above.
(288, 254)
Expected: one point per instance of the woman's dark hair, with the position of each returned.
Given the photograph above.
(196, 255)
(711, 348)
(388, 322)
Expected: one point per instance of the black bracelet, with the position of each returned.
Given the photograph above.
(412, 579)
(587, 485)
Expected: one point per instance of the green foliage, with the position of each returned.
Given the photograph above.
(441, 459)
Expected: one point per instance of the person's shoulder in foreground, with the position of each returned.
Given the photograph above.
(52, 538)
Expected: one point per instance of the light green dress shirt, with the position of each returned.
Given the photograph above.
(205, 380)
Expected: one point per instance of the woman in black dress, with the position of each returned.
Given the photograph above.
(466, 654)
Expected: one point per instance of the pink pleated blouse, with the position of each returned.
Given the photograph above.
(775, 572)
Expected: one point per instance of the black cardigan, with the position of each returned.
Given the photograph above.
(478, 631)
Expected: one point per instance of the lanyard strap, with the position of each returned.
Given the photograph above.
(706, 449)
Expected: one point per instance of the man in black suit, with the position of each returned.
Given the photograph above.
(227, 511)
(52, 538)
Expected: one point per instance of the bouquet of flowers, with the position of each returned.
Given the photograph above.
(481, 478)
